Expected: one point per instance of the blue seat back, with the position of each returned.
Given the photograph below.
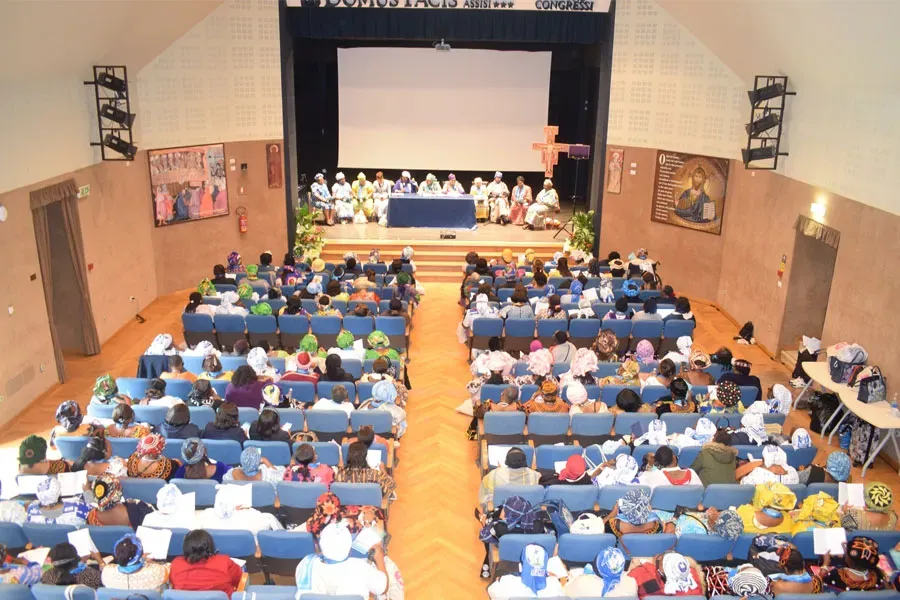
(678, 422)
(326, 452)
(286, 544)
(123, 447)
(624, 421)
(487, 327)
(204, 490)
(668, 497)
(532, 493)
(327, 325)
(380, 420)
(231, 363)
(523, 328)
(394, 327)
(224, 451)
(364, 390)
(229, 323)
(294, 416)
(610, 494)
(41, 534)
(201, 416)
(326, 421)
(299, 494)
(676, 328)
(621, 327)
(186, 595)
(234, 543)
(263, 324)
(133, 387)
(548, 327)
(105, 537)
(492, 391)
(652, 393)
(70, 447)
(512, 544)
(504, 423)
(548, 456)
(195, 323)
(301, 391)
(12, 535)
(293, 324)
(324, 389)
(687, 456)
(578, 498)
(704, 547)
(646, 329)
(278, 453)
(584, 328)
(548, 424)
(608, 393)
(591, 423)
(359, 326)
(141, 489)
(42, 591)
(583, 549)
(358, 494)
(153, 415)
(647, 544)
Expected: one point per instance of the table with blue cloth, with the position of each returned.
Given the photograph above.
(151, 366)
(446, 212)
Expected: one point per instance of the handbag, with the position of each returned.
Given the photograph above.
(588, 524)
(840, 370)
(560, 517)
(872, 388)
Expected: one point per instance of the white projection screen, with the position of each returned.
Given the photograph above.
(465, 110)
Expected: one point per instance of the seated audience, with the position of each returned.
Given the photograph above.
(245, 388)
(669, 574)
(334, 370)
(132, 570)
(226, 425)
(219, 277)
(357, 470)
(514, 471)
(628, 401)
(770, 509)
(48, 510)
(605, 578)
(648, 313)
(678, 401)
(18, 570)
(212, 369)
(336, 572)
(123, 424)
(577, 396)
(519, 308)
(177, 370)
(836, 470)
(305, 370)
(340, 400)
(384, 397)
(697, 365)
(111, 509)
(717, 460)
(546, 400)
(533, 580)
(667, 471)
(632, 514)
(564, 350)
(67, 569)
(156, 395)
(200, 568)
(148, 461)
(727, 401)
(305, 467)
(96, 458)
(552, 310)
(574, 473)
(663, 375)
(877, 515)
(70, 423)
(227, 514)
(169, 512)
(258, 360)
(254, 467)
(682, 311)
(644, 352)
(267, 428)
(621, 312)
(380, 346)
(742, 377)
(195, 463)
(33, 458)
(772, 468)
(178, 424)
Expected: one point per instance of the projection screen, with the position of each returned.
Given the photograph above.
(466, 110)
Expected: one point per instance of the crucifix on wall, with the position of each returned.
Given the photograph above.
(550, 149)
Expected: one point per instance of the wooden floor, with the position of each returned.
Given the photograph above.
(434, 535)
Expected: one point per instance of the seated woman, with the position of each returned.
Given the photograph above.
(305, 467)
(648, 313)
(123, 425)
(622, 470)
(628, 401)
(519, 308)
(679, 399)
(33, 458)
(546, 200)
(770, 510)
(553, 309)
(682, 311)
(334, 371)
(520, 199)
(228, 513)
(783, 564)
(111, 509)
(717, 460)
(621, 312)
(533, 580)
(546, 400)
(727, 401)
(605, 578)
(177, 370)
(697, 365)
(562, 268)
(202, 394)
(877, 515)
(70, 423)
(627, 374)
(836, 470)
(47, 509)
(741, 376)
(577, 396)
(96, 459)
(606, 346)
(632, 514)
(212, 369)
(18, 571)
(258, 360)
(267, 428)
(649, 281)
(106, 392)
(336, 572)
(669, 574)
(131, 570)
(156, 395)
(201, 568)
(583, 365)
(574, 473)
(752, 431)
(818, 510)
(195, 463)
(67, 569)
(384, 398)
(255, 467)
(226, 425)
(324, 307)
(170, 512)
(860, 571)
(245, 388)
(644, 352)
(178, 424)
(666, 471)
(363, 289)
(772, 468)
(357, 470)
(147, 462)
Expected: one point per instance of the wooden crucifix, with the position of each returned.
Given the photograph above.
(550, 149)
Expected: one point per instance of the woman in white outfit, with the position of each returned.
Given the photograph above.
(547, 200)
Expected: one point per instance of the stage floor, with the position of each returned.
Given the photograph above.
(486, 232)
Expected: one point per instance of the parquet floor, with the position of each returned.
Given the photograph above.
(433, 531)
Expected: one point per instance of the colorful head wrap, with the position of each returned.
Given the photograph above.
(729, 525)
(609, 565)
(634, 506)
(626, 469)
(699, 359)
(206, 287)
(32, 450)
(574, 469)
(245, 291)
(261, 308)
(344, 339)
(644, 352)
(629, 370)
(105, 387)
(199, 452)
(774, 455)
(108, 491)
(378, 339)
(800, 439)
(576, 393)
(403, 278)
(234, 261)
(151, 444)
(272, 393)
(407, 253)
(167, 499)
(534, 567)
(754, 426)
(68, 414)
(314, 287)
(549, 389)
(862, 553)
(309, 343)
(728, 393)
(678, 574)
(631, 289)
(229, 298)
(48, 491)
(774, 495)
(134, 563)
(782, 399)
(747, 580)
(335, 541)
(384, 392)
(879, 497)
(607, 341)
(540, 362)
(838, 466)
(258, 359)
(819, 507)
(535, 345)
(250, 460)
(704, 431)
(585, 362)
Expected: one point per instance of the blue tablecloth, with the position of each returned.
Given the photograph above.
(151, 366)
(447, 212)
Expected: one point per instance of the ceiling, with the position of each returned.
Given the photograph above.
(51, 38)
(817, 43)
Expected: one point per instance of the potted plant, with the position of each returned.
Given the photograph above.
(310, 237)
(582, 231)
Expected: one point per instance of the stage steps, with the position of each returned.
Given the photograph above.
(436, 260)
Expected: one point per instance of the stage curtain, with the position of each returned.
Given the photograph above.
(451, 24)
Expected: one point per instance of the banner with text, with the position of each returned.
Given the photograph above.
(689, 191)
(551, 5)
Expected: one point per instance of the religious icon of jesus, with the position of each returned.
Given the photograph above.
(694, 204)
(614, 180)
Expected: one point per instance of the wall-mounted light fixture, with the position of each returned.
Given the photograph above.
(818, 208)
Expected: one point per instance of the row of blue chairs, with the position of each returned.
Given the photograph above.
(608, 393)
(545, 456)
(194, 364)
(311, 306)
(286, 330)
(610, 369)
(301, 391)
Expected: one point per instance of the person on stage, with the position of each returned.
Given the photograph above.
(430, 187)
(406, 184)
(452, 187)
(480, 194)
(521, 198)
(363, 199)
(498, 195)
(343, 198)
(547, 200)
(322, 198)
(381, 191)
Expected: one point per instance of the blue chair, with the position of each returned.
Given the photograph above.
(577, 550)
(547, 328)
(560, 368)
(15, 591)
(532, 493)
(870, 595)
(505, 294)
(704, 548)
(492, 391)
(504, 427)
(281, 551)
(647, 544)
(298, 500)
(204, 490)
(679, 422)
(380, 421)
(359, 326)
(294, 416)
(749, 395)
(201, 416)
(578, 498)
(676, 328)
(364, 390)
(667, 497)
(141, 489)
(340, 306)
(520, 368)
(483, 329)
(178, 388)
(231, 363)
(268, 592)
(114, 594)
(133, 387)
(646, 330)
(687, 456)
(105, 537)
(292, 328)
(229, 329)
(358, 494)
(41, 591)
(641, 451)
(802, 458)
(587, 427)
(40, 534)
(247, 415)
(236, 544)
(519, 334)
(326, 329)
(548, 428)
(548, 456)
(370, 304)
(224, 451)
(583, 332)
(12, 536)
(70, 447)
(804, 542)
(278, 453)
(262, 494)
(262, 328)
(624, 421)
(621, 327)
(101, 411)
(652, 393)
(326, 452)
(198, 328)
(741, 547)
(301, 391)
(385, 305)
(593, 392)
(327, 424)
(379, 268)
(183, 595)
(527, 391)
(609, 494)
(512, 544)
(799, 490)
(608, 393)
(309, 305)
(324, 389)
(153, 415)
(394, 328)
(123, 447)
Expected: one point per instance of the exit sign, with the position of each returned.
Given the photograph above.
(84, 191)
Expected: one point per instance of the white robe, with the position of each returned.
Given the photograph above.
(382, 193)
(499, 195)
(545, 201)
(343, 195)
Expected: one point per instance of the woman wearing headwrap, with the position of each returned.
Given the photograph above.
(111, 509)
(106, 392)
(18, 571)
(770, 509)
(669, 574)
(772, 467)
(336, 572)
(622, 470)
(632, 514)
(325, 308)
(514, 471)
(245, 388)
(481, 309)
(356, 469)
(171, 512)
(546, 400)
(717, 460)
(604, 578)
(67, 569)
(778, 559)
(231, 304)
(148, 462)
(227, 514)
(836, 470)
(305, 467)
(752, 430)
(860, 571)
(404, 288)
(552, 309)
(258, 360)
(725, 399)
(629, 373)
(574, 473)
(817, 510)
(155, 395)
(682, 356)
(48, 509)
(162, 346)
(678, 400)
(742, 377)
(131, 570)
(577, 396)
(70, 419)
(329, 510)
(195, 463)
(533, 580)
(384, 397)
(878, 514)
(235, 263)
(697, 363)
(606, 345)
(644, 352)
(96, 459)
(583, 365)
(33, 458)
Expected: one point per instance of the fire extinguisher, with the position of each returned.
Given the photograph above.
(242, 218)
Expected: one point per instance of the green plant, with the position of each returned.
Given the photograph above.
(310, 237)
(583, 231)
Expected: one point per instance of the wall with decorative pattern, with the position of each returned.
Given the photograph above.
(670, 91)
(221, 81)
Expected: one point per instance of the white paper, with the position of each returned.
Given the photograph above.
(155, 541)
(72, 484)
(358, 346)
(28, 484)
(497, 455)
(246, 428)
(750, 457)
(287, 427)
(591, 294)
(81, 539)
(558, 466)
(852, 494)
(556, 567)
(366, 539)
(241, 494)
(664, 312)
(373, 458)
(239, 562)
(186, 506)
(829, 540)
(36, 555)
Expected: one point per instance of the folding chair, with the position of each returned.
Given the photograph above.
(588, 428)
(519, 335)
(298, 499)
(668, 497)
(229, 329)
(395, 329)
(645, 330)
(133, 387)
(301, 391)
(224, 451)
(583, 332)
(262, 328)
(292, 328)
(546, 457)
(503, 428)
(547, 328)
(548, 428)
(325, 389)
(281, 551)
(278, 453)
(326, 329)
(328, 425)
(359, 326)
(579, 549)
(578, 498)
(483, 329)
(672, 330)
(198, 328)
